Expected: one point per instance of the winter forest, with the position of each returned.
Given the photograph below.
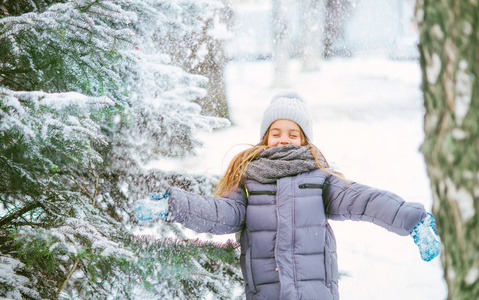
(105, 101)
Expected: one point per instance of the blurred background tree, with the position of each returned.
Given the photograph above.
(203, 53)
(313, 14)
(281, 42)
(337, 14)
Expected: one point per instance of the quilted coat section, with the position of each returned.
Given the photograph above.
(288, 250)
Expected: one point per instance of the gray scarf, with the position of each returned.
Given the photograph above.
(278, 162)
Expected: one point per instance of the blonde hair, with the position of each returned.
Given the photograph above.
(233, 175)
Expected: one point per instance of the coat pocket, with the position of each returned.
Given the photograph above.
(249, 271)
(310, 186)
(315, 188)
(320, 186)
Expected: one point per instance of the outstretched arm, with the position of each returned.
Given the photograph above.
(216, 215)
(354, 201)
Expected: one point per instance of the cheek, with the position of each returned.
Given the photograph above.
(297, 142)
(271, 141)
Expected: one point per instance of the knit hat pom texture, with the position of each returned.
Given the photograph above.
(287, 105)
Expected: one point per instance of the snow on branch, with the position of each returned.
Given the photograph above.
(76, 238)
(12, 284)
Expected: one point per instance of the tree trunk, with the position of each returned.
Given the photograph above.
(337, 13)
(449, 58)
(313, 14)
(202, 52)
(212, 66)
(280, 43)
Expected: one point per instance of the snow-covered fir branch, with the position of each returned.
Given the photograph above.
(92, 91)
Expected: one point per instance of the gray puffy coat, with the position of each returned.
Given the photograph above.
(288, 250)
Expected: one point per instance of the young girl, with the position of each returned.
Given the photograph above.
(279, 195)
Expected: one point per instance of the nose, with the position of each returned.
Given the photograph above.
(284, 141)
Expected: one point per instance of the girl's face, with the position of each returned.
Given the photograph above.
(284, 132)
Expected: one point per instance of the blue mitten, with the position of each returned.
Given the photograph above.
(426, 238)
(153, 208)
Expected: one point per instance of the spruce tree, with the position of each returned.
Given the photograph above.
(89, 96)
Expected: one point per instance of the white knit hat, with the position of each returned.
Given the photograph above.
(290, 106)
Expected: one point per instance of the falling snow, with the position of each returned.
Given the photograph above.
(374, 106)
(368, 122)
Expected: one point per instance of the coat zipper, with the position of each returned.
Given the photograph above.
(251, 193)
(310, 186)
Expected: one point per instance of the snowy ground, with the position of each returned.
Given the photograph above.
(368, 123)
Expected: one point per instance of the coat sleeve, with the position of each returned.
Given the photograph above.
(216, 215)
(353, 201)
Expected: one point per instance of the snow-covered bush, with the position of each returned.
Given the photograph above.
(89, 95)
